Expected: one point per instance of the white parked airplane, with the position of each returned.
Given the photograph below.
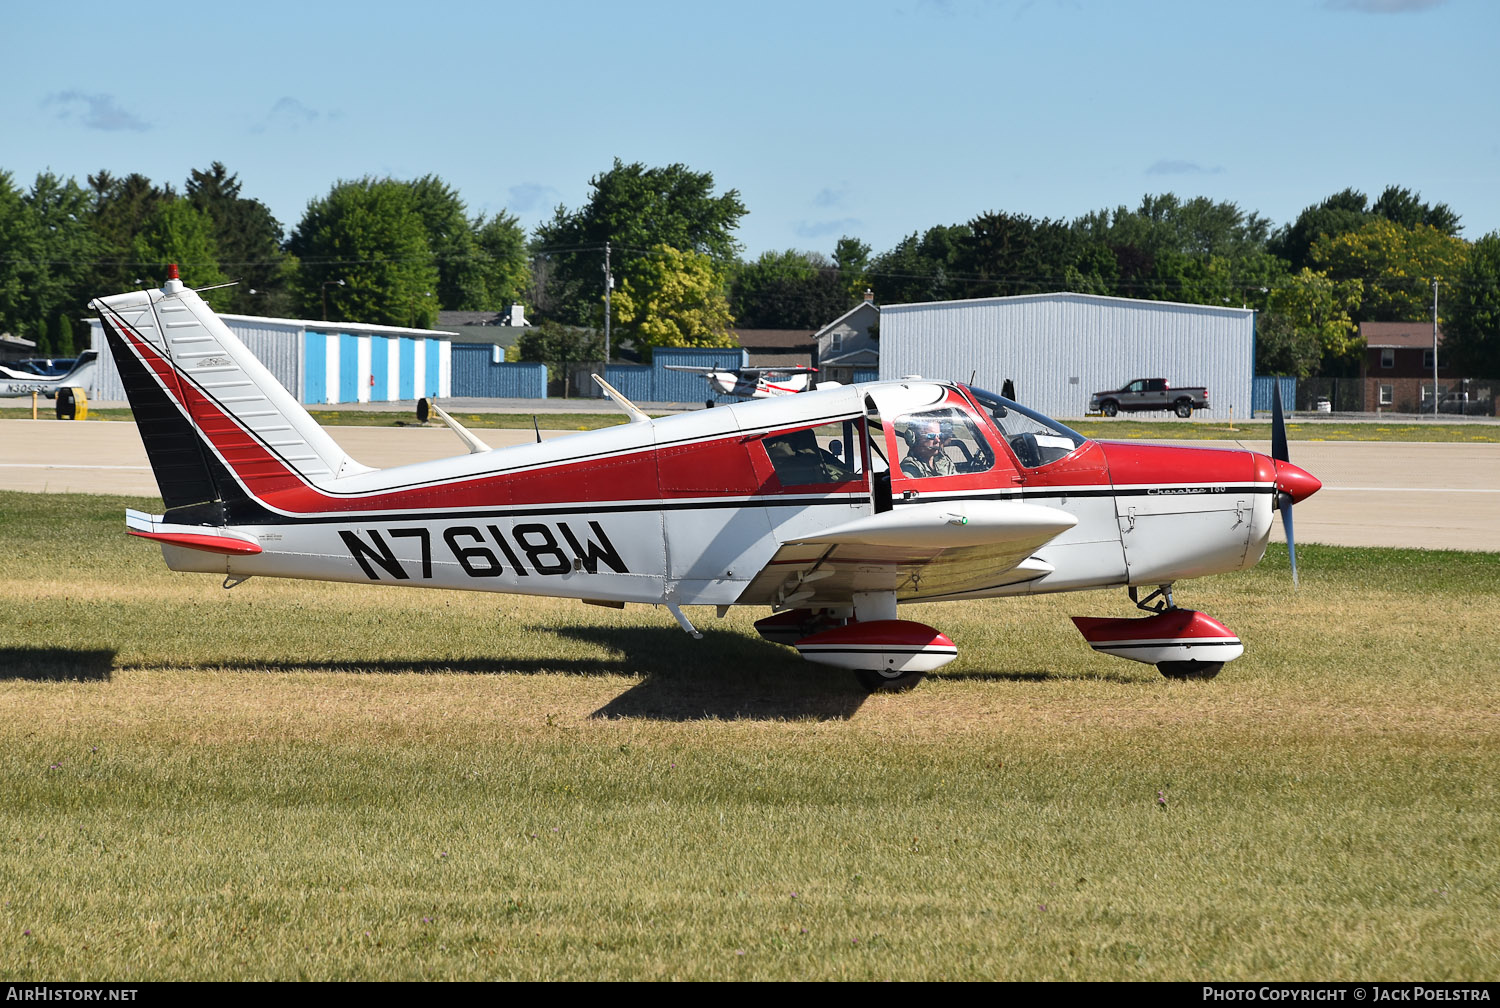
(752, 382)
(15, 383)
(837, 508)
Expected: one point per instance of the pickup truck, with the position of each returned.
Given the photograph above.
(1150, 394)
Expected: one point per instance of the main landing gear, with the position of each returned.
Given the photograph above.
(886, 654)
(1181, 643)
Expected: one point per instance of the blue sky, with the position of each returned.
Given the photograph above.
(874, 119)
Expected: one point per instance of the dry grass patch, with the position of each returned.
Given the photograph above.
(319, 781)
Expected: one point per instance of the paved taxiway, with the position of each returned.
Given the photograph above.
(1432, 496)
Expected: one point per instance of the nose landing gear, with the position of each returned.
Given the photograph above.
(1181, 643)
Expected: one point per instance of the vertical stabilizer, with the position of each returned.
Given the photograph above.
(210, 414)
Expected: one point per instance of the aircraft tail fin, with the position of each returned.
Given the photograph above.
(82, 369)
(217, 425)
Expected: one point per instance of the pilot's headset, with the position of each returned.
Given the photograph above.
(911, 435)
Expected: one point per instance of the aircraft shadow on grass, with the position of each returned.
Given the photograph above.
(724, 676)
(55, 664)
(1042, 675)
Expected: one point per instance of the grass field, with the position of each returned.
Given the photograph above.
(293, 780)
(1116, 429)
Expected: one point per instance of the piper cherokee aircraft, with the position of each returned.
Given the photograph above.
(18, 383)
(752, 382)
(835, 508)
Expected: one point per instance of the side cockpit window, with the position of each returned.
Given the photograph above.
(826, 454)
(941, 442)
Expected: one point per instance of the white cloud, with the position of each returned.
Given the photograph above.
(287, 114)
(530, 196)
(1169, 166)
(830, 196)
(822, 229)
(96, 111)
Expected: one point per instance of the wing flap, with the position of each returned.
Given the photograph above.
(918, 551)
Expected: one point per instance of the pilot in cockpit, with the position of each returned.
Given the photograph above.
(925, 454)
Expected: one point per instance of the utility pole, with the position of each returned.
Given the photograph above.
(609, 283)
(1434, 349)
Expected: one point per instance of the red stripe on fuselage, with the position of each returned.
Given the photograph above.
(1134, 464)
(718, 467)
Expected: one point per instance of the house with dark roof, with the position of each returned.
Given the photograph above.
(777, 347)
(1397, 365)
(501, 328)
(850, 342)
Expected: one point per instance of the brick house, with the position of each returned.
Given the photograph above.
(1397, 365)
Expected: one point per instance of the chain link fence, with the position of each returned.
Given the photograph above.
(1455, 396)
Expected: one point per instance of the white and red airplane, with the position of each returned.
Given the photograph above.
(835, 508)
(15, 383)
(752, 382)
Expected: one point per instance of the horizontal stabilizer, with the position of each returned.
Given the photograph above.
(198, 537)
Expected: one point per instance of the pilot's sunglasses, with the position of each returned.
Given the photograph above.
(929, 437)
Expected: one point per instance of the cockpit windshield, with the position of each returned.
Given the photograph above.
(1037, 440)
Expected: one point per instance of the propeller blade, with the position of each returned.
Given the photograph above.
(1278, 425)
(1285, 502)
(1279, 452)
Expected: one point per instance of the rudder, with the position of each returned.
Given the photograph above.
(217, 425)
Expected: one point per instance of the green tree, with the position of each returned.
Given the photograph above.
(1471, 315)
(67, 245)
(1197, 251)
(249, 242)
(456, 251)
(788, 290)
(675, 298)
(1404, 207)
(1396, 264)
(919, 268)
(507, 267)
(1094, 270)
(45, 343)
(1350, 210)
(20, 250)
(1308, 325)
(1340, 213)
(852, 258)
(178, 233)
(559, 347)
(364, 249)
(1002, 254)
(64, 334)
(121, 208)
(635, 209)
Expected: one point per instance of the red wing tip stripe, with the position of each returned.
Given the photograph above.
(876, 649)
(206, 543)
(1172, 642)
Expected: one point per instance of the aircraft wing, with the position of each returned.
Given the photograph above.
(920, 551)
(696, 370)
(794, 369)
